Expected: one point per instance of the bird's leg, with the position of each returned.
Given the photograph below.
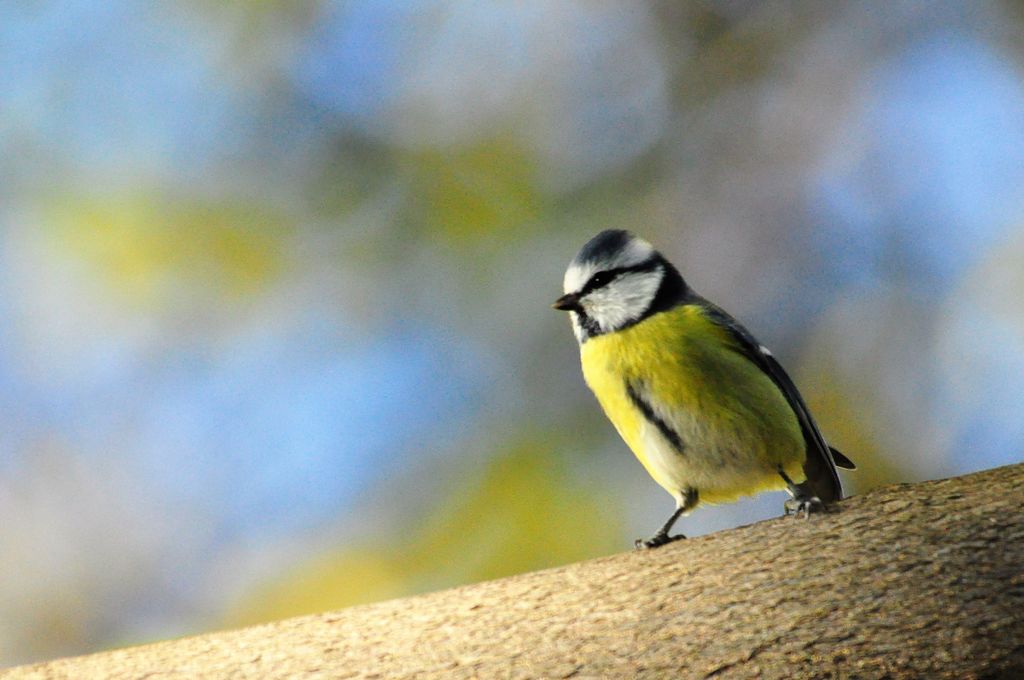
(661, 537)
(801, 503)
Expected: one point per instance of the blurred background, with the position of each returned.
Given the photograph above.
(275, 276)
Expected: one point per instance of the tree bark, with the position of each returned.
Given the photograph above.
(912, 580)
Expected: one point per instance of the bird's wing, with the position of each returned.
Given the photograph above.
(820, 467)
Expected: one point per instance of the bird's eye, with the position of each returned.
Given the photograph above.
(600, 279)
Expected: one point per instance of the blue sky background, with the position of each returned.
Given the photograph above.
(274, 280)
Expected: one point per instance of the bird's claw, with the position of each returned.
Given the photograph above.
(656, 541)
(804, 506)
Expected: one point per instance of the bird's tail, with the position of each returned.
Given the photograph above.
(822, 480)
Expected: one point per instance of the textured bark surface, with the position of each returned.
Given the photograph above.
(922, 581)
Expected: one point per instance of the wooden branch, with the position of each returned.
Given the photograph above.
(916, 581)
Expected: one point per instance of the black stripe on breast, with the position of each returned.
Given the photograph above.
(666, 430)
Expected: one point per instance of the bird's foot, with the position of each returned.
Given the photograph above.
(804, 505)
(656, 541)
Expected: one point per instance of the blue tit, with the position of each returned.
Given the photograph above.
(706, 408)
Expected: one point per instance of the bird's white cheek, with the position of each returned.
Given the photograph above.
(614, 313)
(624, 301)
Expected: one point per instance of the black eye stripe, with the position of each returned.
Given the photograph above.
(603, 278)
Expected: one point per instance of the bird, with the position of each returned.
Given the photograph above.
(706, 408)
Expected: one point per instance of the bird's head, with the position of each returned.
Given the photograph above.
(616, 280)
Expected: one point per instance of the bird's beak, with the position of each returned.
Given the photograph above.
(568, 302)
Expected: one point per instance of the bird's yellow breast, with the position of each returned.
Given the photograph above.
(735, 425)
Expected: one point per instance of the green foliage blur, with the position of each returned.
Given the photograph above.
(525, 511)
